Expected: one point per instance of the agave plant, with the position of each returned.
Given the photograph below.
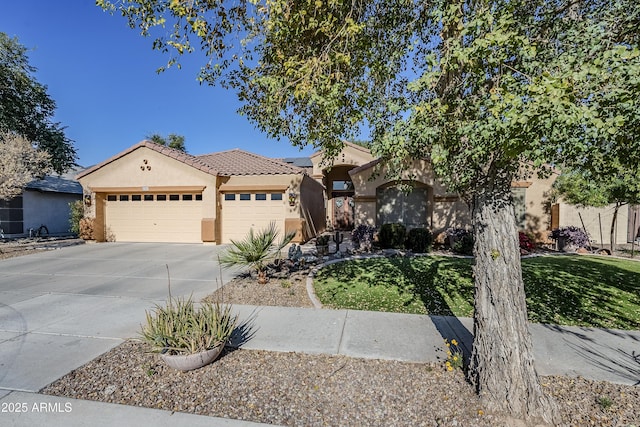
(256, 251)
(181, 328)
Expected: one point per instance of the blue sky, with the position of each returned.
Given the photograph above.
(102, 76)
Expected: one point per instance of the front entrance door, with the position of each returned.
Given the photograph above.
(343, 211)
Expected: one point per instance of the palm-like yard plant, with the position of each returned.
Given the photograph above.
(256, 251)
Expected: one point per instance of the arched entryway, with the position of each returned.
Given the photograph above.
(340, 202)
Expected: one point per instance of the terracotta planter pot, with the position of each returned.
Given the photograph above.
(188, 362)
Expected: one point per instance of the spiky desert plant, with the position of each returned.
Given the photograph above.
(256, 251)
(181, 328)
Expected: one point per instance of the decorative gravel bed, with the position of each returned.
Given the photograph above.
(296, 389)
(285, 292)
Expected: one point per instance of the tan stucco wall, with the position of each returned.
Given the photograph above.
(570, 215)
(454, 212)
(538, 214)
(450, 212)
(132, 171)
(144, 170)
(349, 156)
(365, 212)
(366, 192)
(366, 187)
(448, 209)
(325, 171)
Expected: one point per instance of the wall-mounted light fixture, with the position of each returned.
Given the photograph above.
(292, 199)
(87, 199)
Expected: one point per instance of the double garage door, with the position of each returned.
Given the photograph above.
(158, 217)
(154, 217)
(243, 211)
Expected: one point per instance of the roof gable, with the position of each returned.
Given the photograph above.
(188, 159)
(240, 162)
(346, 146)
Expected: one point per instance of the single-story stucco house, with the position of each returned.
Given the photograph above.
(152, 193)
(43, 202)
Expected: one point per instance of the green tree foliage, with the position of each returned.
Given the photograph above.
(26, 109)
(618, 187)
(171, 141)
(488, 90)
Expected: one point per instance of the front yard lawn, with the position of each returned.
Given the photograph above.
(565, 290)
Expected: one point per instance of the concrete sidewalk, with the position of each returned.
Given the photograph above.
(598, 354)
(609, 355)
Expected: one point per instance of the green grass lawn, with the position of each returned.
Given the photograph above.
(565, 290)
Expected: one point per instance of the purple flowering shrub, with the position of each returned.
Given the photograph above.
(362, 237)
(572, 234)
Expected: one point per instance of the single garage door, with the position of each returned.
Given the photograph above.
(154, 217)
(243, 211)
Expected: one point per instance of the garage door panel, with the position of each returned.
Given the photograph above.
(240, 216)
(154, 221)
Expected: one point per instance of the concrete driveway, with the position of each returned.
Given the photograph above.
(88, 298)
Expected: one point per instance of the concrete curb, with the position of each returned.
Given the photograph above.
(311, 291)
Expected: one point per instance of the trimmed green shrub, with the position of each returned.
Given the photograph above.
(392, 235)
(464, 246)
(76, 213)
(419, 240)
(460, 240)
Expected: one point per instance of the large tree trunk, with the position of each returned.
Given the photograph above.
(502, 367)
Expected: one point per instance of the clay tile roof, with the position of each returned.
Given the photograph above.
(183, 157)
(239, 162)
